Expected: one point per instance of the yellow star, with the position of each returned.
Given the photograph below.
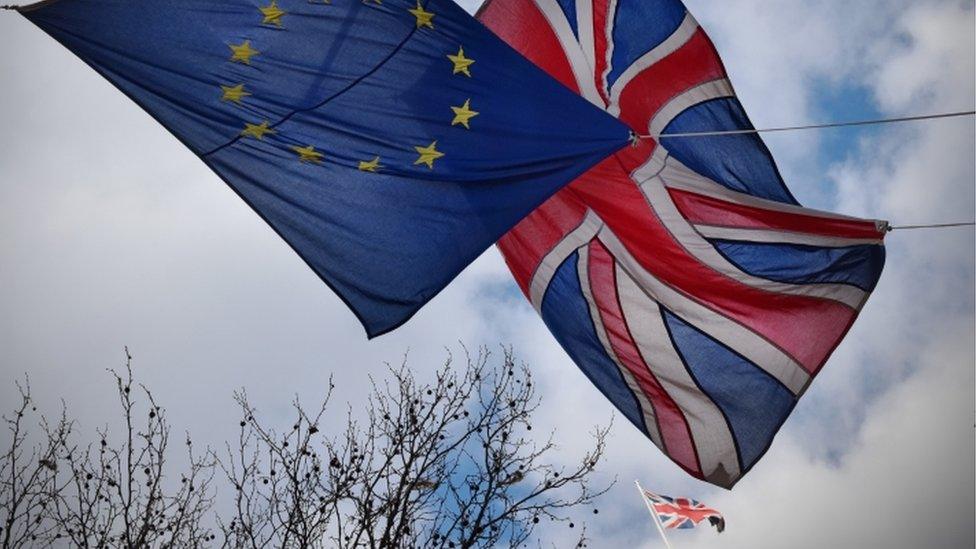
(424, 17)
(234, 93)
(428, 155)
(243, 53)
(272, 14)
(370, 166)
(257, 131)
(461, 63)
(463, 114)
(308, 154)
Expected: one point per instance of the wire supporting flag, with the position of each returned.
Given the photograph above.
(389, 143)
(680, 274)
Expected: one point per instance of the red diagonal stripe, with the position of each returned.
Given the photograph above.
(691, 65)
(707, 210)
(671, 421)
(535, 236)
(805, 328)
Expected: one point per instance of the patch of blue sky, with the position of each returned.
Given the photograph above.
(502, 291)
(839, 102)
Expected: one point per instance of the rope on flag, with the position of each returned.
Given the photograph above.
(821, 126)
(931, 226)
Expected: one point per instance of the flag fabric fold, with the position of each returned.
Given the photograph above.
(681, 275)
(389, 143)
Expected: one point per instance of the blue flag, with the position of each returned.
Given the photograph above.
(388, 142)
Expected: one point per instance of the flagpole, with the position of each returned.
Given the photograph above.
(650, 509)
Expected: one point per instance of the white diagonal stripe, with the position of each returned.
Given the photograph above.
(770, 236)
(654, 165)
(678, 38)
(746, 342)
(574, 53)
(680, 103)
(702, 250)
(650, 422)
(579, 236)
(677, 175)
(709, 428)
(584, 20)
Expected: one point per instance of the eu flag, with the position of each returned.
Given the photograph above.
(389, 142)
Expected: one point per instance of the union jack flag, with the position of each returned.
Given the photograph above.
(683, 513)
(680, 274)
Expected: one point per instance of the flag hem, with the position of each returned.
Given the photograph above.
(36, 5)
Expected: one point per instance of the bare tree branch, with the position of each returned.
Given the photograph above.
(448, 463)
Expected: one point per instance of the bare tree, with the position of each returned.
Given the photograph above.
(449, 463)
(284, 495)
(104, 493)
(120, 494)
(29, 486)
(446, 463)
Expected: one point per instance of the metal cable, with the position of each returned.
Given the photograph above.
(851, 123)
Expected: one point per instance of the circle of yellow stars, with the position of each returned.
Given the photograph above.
(272, 15)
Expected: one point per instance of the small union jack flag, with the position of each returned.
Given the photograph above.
(683, 513)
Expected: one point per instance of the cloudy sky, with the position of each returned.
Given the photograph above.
(112, 234)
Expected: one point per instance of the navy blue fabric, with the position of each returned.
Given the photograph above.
(753, 402)
(739, 162)
(855, 265)
(567, 314)
(354, 80)
(638, 28)
(569, 8)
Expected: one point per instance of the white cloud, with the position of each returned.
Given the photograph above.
(892, 489)
(930, 41)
